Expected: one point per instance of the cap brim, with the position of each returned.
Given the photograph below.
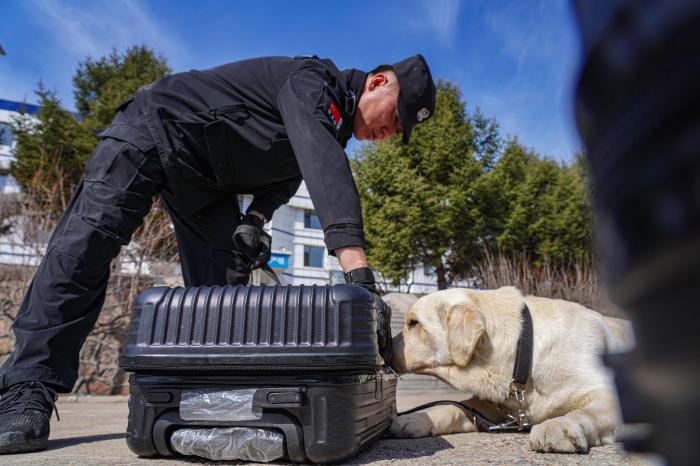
(406, 123)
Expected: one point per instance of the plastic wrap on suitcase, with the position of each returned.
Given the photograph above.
(299, 362)
(219, 405)
(229, 443)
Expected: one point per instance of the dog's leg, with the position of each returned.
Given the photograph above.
(439, 420)
(595, 423)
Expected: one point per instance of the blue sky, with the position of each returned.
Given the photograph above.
(516, 60)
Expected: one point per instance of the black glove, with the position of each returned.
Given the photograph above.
(238, 269)
(252, 241)
(365, 278)
(362, 277)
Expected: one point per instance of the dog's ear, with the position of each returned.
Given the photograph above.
(465, 328)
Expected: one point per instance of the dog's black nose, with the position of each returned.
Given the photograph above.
(396, 358)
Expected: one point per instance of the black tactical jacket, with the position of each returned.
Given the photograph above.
(258, 127)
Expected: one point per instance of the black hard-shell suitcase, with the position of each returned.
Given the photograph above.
(310, 353)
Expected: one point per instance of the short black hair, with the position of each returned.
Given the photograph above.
(381, 69)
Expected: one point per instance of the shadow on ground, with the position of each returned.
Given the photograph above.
(69, 442)
(401, 449)
(382, 450)
(385, 449)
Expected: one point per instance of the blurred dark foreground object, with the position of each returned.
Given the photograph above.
(638, 111)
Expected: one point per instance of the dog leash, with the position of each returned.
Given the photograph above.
(481, 422)
(520, 421)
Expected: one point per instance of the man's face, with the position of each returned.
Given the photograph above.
(376, 118)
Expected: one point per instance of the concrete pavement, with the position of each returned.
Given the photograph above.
(91, 432)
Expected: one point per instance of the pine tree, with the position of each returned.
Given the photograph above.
(53, 148)
(417, 206)
(456, 192)
(102, 84)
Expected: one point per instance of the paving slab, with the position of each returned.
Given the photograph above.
(92, 432)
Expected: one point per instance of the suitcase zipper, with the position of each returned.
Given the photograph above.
(262, 367)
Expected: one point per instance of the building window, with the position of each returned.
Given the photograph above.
(5, 134)
(428, 270)
(313, 256)
(311, 220)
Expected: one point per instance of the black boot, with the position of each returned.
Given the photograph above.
(25, 412)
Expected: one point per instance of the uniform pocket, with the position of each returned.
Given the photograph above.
(117, 144)
(220, 153)
(135, 135)
(238, 113)
(189, 149)
(187, 137)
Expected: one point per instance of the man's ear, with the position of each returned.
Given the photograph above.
(465, 328)
(377, 80)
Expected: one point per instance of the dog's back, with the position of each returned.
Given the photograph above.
(620, 335)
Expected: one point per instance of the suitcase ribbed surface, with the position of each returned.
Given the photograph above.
(245, 316)
(252, 326)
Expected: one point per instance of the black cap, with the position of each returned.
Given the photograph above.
(416, 94)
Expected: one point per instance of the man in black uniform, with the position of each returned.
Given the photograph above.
(199, 139)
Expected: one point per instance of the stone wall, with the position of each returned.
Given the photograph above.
(99, 372)
(13, 282)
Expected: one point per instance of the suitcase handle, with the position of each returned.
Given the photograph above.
(279, 398)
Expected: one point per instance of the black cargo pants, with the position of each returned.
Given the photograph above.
(66, 295)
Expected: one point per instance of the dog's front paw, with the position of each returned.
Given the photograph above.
(414, 425)
(558, 435)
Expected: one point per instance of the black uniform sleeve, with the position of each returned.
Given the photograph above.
(321, 159)
(268, 201)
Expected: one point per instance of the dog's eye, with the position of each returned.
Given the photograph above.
(412, 323)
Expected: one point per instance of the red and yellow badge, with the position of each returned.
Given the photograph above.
(334, 115)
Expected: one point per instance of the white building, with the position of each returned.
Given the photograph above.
(8, 110)
(299, 253)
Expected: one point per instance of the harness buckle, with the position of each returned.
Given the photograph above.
(519, 395)
(519, 421)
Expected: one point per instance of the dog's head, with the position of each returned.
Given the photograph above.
(447, 328)
(441, 329)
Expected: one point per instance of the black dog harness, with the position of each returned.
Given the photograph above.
(519, 421)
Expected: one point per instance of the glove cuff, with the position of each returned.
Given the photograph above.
(254, 220)
(362, 275)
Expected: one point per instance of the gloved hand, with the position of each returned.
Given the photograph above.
(252, 241)
(365, 278)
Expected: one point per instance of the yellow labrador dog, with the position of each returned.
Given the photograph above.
(468, 338)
